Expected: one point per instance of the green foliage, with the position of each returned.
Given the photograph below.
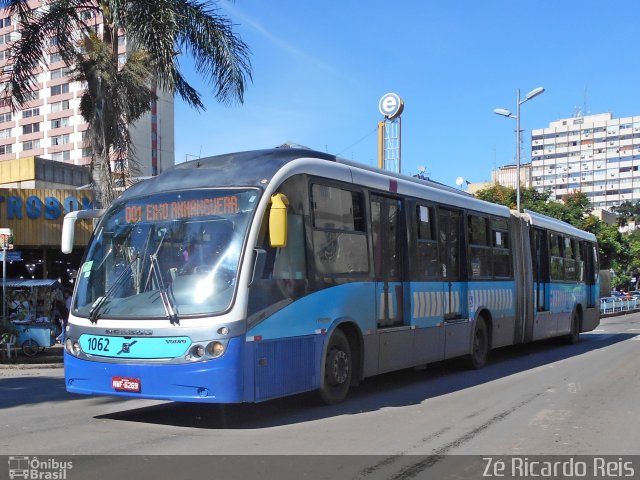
(7, 330)
(627, 212)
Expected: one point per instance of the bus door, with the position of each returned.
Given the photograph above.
(388, 241)
(540, 254)
(450, 240)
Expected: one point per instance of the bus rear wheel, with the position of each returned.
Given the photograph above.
(574, 336)
(480, 346)
(338, 369)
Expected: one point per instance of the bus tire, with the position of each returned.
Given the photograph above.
(479, 346)
(574, 336)
(338, 369)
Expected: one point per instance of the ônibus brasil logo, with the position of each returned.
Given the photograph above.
(38, 469)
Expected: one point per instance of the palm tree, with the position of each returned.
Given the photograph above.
(157, 31)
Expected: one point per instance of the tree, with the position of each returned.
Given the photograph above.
(157, 31)
(627, 211)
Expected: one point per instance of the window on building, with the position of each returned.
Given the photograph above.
(31, 145)
(30, 128)
(59, 139)
(60, 89)
(5, 149)
(59, 73)
(60, 122)
(6, 117)
(32, 112)
(60, 106)
(6, 133)
(61, 156)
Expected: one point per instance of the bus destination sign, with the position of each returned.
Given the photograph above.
(157, 212)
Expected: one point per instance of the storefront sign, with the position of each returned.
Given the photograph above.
(14, 256)
(13, 207)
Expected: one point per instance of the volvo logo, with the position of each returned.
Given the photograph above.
(126, 347)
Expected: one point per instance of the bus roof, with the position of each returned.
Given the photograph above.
(258, 167)
(540, 220)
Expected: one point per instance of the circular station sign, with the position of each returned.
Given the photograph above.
(391, 105)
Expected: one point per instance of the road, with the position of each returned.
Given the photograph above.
(544, 398)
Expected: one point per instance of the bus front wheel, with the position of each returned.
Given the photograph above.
(480, 346)
(338, 369)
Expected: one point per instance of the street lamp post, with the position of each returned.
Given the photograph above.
(506, 113)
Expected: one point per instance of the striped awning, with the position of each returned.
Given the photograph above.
(30, 283)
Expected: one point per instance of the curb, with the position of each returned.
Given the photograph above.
(29, 366)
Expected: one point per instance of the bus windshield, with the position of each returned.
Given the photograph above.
(166, 255)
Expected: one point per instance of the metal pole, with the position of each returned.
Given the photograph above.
(4, 284)
(518, 150)
(399, 144)
(381, 145)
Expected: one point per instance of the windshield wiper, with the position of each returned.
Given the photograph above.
(97, 306)
(169, 306)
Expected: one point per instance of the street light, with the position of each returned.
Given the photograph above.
(506, 113)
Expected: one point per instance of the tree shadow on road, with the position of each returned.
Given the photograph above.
(398, 389)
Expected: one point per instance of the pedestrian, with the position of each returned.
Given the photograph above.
(63, 309)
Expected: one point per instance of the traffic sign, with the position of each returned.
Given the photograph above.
(6, 238)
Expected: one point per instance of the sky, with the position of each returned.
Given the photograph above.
(320, 68)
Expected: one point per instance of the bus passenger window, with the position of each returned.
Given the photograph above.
(479, 247)
(339, 236)
(427, 246)
(557, 261)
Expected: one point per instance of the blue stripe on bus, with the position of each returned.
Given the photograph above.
(319, 310)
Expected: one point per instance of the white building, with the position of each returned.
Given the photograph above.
(596, 154)
(507, 174)
(51, 126)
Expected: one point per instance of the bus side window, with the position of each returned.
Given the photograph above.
(286, 263)
(427, 246)
(290, 261)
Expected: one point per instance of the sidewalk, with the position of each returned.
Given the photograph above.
(52, 357)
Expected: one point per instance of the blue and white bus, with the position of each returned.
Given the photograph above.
(255, 275)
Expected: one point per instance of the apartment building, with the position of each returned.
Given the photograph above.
(596, 154)
(51, 126)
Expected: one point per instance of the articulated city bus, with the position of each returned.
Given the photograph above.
(255, 275)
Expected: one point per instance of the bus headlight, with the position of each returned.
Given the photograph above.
(72, 346)
(215, 349)
(197, 351)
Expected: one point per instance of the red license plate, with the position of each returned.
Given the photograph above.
(125, 384)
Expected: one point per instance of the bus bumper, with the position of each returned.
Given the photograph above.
(214, 381)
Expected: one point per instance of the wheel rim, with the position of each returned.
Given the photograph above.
(338, 367)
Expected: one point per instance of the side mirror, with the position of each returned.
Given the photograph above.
(69, 224)
(278, 220)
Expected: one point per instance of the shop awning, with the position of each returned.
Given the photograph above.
(29, 283)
